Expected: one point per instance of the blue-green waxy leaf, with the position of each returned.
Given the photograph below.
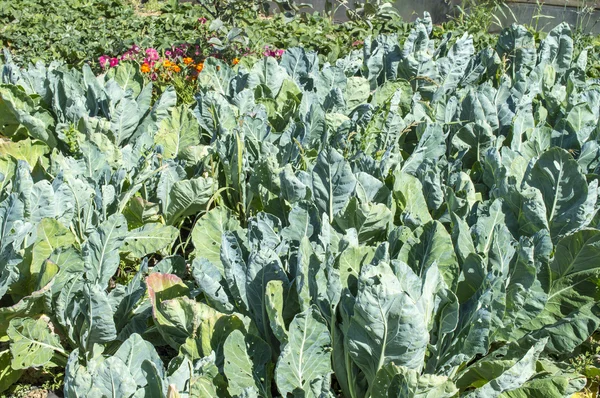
(99, 323)
(246, 359)
(514, 376)
(371, 221)
(292, 188)
(571, 313)
(398, 381)
(387, 325)
(214, 114)
(557, 48)
(125, 120)
(178, 132)
(234, 269)
(298, 63)
(267, 73)
(263, 266)
(212, 283)
(431, 146)
(101, 251)
(113, 379)
(564, 190)
(333, 182)
(430, 245)
(306, 358)
(133, 352)
(188, 197)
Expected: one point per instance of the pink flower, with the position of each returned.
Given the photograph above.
(168, 53)
(152, 54)
(135, 48)
(357, 43)
(272, 53)
(113, 62)
(202, 20)
(103, 60)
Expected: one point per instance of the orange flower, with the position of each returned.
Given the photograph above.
(167, 63)
(145, 68)
(199, 67)
(235, 61)
(176, 69)
(187, 60)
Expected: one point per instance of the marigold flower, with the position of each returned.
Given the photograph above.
(187, 60)
(145, 68)
(176, 68)
(167, 63)
(235, 61)
(199, 67)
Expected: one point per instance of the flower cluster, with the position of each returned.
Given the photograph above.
(110, 62)
(270, 52)
(183, 61)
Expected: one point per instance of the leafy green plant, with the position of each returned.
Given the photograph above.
(417, 218)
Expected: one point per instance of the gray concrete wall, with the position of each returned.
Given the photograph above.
(408, 9)
(548, 16)
(525, 12)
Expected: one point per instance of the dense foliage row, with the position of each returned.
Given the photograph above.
(416, 219)
(77, 32)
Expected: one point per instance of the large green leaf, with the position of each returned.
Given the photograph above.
(149, 239)
(134, 352)
(27, 150)
(188, 197)
(101, 251)
(333, 182)
(387, 324)
(396, 381)
(565, 191)
(18, 109)
(51, 235)
(178, 132)
(8, 375)
(306, 358)
(408, 192)
(207, 233)
(431, 244)
(32, 342)
(571, 313)
(263, 266)
(513, 377)
(246, 359)
(371, 221)
(113, 379)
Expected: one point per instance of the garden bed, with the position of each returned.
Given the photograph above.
(280, 208)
